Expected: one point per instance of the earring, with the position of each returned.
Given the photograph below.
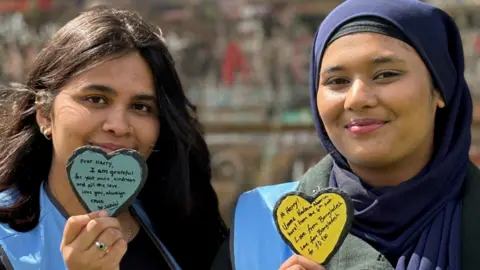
(441, 104)
(44, 131)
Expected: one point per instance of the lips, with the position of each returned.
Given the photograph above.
(363, 126)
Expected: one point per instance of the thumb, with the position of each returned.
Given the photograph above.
(75, 224)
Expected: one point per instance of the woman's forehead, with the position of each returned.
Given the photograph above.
(129, 72)
(371, 47)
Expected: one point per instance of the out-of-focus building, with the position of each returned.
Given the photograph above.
(467, 16)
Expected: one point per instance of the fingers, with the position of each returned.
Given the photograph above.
(92, 231)
(81, 252)
(107, 237)
(297, 262)
(76, 224)
(115, 254)
(95, 258)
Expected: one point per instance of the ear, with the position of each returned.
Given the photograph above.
(44, 122)
(438, 99)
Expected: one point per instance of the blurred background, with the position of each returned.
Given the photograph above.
(244, 63)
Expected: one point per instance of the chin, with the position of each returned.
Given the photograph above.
(370, 158)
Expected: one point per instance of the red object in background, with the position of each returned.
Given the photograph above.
(13, 5)
(234, 58)
(45, 4)
(22, 5)
(477, 45)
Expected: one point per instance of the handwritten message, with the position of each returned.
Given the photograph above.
(105, 183)
(313, 229)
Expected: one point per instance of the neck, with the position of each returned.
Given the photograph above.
(395, 173)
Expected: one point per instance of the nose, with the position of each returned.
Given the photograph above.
(116, 122)
(360, 96)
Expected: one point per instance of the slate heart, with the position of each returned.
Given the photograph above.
(314, 226)
(106, 181)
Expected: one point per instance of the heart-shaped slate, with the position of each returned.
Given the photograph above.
(106, 181)
(314, 226)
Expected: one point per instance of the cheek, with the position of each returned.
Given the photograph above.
(70, 125)
(411, 106)
(71, 115)
(330, 107)
(70, 118)
(410, 99)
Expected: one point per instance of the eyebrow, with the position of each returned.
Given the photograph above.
(145, 97)
(99, 88)
(387, 59)
(375, 61)
(108, 90)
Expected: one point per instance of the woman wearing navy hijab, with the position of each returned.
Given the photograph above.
(393, 109)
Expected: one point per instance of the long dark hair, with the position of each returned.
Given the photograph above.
(178, 195)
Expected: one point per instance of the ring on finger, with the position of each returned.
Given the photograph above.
(102, 246)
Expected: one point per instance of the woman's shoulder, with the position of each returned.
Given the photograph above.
(354, 253)
(8, 198)
(316, 176)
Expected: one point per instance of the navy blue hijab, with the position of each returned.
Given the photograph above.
(417, 223)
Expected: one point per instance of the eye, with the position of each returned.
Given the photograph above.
(336, 81)
(142, 107)
(386, 75)
(96, 100)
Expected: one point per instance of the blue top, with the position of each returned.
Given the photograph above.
(39, 248)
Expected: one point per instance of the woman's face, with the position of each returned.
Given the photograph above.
(376, 100)
(112, 105)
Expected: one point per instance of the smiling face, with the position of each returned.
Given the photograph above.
(376, 101)
(112, 105)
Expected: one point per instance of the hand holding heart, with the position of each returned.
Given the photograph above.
(101, 181)
(78, 244)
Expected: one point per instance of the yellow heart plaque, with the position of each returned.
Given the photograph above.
(314, 226)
